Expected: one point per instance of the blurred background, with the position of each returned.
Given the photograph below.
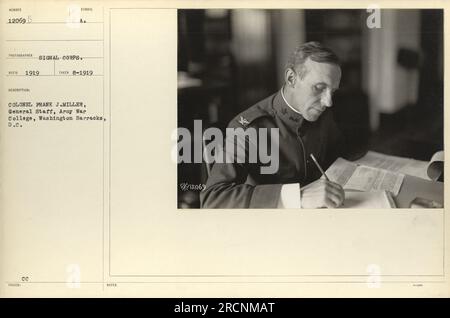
(391, 93)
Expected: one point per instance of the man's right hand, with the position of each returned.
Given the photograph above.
(322, 194)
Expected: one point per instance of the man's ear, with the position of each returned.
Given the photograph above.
(290, 77)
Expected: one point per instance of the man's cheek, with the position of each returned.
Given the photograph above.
(315, 100)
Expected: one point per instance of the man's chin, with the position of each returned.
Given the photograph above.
(312, 116)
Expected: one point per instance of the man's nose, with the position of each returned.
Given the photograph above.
(326, 99)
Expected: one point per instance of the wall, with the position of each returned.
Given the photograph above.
(390, 86)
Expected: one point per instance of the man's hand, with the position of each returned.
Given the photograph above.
(322, 194)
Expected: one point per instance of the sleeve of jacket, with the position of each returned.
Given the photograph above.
(227, 185)
(226, 188)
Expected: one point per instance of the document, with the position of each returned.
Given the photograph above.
(88, 186)
(431, 170)
(353, 176)
(368, 200)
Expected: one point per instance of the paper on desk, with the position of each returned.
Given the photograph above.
(363, 178)
(340, 171)
(417, 168)
(367, 200)
(436, 166)
(371, 179)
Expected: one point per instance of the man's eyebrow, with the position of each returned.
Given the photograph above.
(323, 83)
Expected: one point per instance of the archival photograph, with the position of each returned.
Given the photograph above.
(309, 109)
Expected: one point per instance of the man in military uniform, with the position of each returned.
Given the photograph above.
(301, 113)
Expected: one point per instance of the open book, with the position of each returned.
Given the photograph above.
(353, 176)
(379, 172)
(431, 170)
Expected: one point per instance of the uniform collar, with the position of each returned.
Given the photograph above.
(289, 115)
(286, 102)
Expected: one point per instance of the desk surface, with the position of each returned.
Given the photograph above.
(414, 187)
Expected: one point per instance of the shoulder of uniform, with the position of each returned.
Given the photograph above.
(250, 116)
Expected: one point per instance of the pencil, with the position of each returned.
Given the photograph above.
(319, 167)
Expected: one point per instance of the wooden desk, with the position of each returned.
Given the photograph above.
(414, 187)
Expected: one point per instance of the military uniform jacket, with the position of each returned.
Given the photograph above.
(242, 185)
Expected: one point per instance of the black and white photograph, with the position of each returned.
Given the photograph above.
(310, 108)
(247, 150)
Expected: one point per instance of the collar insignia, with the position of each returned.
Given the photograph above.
(294, 119)
(243, 121)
